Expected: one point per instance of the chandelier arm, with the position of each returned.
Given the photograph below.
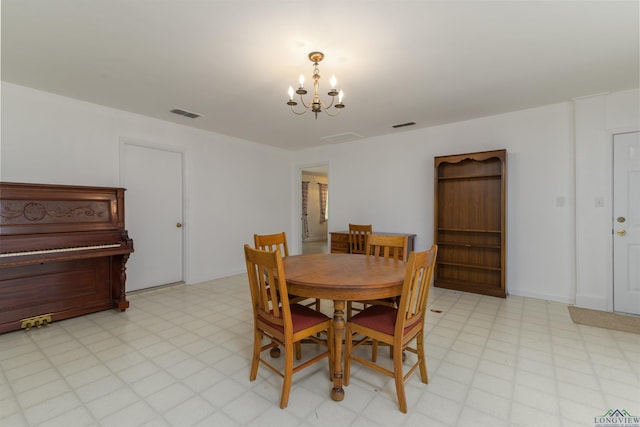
(299, 113)
(332, 115)
(304, 103)
(333, 98)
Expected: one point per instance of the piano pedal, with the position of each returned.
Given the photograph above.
(36, 321)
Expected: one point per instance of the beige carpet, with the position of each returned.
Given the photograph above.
(605, 319)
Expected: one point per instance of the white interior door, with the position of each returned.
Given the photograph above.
(153, 179)
(626, 223)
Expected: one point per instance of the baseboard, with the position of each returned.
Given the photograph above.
(591, 302)
(155, 288)
(546, 297)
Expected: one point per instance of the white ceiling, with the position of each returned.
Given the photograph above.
(397, 61)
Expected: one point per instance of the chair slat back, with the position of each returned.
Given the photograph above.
(268, 286)
(387, 246)
(415, 291)
(271, 242)
(358, 237)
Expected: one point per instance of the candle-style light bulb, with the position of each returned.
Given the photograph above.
(333, 82)
(301, 80)
(340, 95)
(290, 92)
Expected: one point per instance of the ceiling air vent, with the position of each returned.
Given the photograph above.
(185, 113)
(401, 125)
(341, 137)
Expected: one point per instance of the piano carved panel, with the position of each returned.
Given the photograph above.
(37, 208)
(53, 212)
(63, 251)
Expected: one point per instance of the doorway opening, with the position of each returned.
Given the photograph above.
(314, 209)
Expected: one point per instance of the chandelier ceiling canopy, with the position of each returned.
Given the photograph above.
(316, 104)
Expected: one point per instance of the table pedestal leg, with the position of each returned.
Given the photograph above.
(337, 393)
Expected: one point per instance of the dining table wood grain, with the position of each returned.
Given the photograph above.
(341, 278)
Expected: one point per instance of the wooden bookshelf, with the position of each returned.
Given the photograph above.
(470, 222)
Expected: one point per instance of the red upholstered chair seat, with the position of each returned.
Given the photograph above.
(379, 318)
(302, 317)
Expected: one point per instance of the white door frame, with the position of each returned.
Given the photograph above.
(297, 200)
(172, 148)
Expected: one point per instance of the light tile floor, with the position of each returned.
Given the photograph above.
(315, 247)
(180, 356)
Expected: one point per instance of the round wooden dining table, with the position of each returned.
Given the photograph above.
(341, 278)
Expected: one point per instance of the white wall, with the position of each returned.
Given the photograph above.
(539, 143)
(232, 192)
(598, 118)
(234, 187)
(559, 253)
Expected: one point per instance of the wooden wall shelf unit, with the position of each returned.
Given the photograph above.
(470, 222)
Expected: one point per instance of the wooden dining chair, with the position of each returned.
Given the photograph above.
(398, 327)
(271, 242)
(358, 237)
(395, 247)
(280, 322)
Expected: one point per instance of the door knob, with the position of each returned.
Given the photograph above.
(178, 225)
(621, 232)
(621, 219)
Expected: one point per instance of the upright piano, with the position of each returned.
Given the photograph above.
(63, 252)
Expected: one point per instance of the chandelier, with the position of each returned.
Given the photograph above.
(316, 104)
